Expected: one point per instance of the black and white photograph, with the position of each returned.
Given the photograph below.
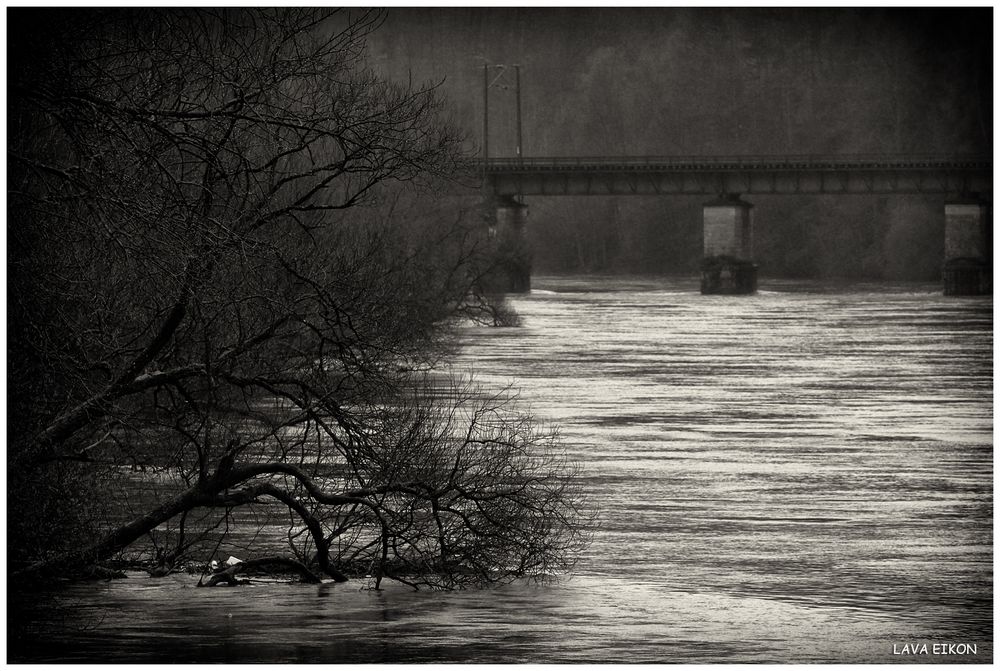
(511, 334)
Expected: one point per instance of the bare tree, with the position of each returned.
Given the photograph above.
(225, 291)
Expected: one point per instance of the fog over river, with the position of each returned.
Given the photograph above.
(803, 475)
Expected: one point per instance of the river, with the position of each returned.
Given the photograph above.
(803, 475)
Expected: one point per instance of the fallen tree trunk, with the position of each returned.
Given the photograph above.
(206, 493)
(228, 575)
(72, 563)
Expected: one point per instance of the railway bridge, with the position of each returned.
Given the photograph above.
(963, 182)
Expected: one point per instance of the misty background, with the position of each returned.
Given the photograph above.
(675, 81)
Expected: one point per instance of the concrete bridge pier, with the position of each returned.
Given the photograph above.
(727, 265)
(968, 248)
(510, 265)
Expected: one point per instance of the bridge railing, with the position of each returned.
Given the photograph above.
(794, 161)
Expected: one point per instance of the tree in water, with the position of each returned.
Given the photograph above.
(228, 290)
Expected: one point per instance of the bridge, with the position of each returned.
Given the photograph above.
(965, 182)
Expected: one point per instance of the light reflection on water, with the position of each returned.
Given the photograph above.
(800, 475)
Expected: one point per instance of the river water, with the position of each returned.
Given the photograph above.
(803, 475)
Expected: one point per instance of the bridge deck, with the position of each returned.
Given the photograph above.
(647, 175)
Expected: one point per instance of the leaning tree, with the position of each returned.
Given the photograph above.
(227, 293)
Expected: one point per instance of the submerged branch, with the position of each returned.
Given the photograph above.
(228, 575)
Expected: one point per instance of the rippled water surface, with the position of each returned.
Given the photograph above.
(801, 475)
